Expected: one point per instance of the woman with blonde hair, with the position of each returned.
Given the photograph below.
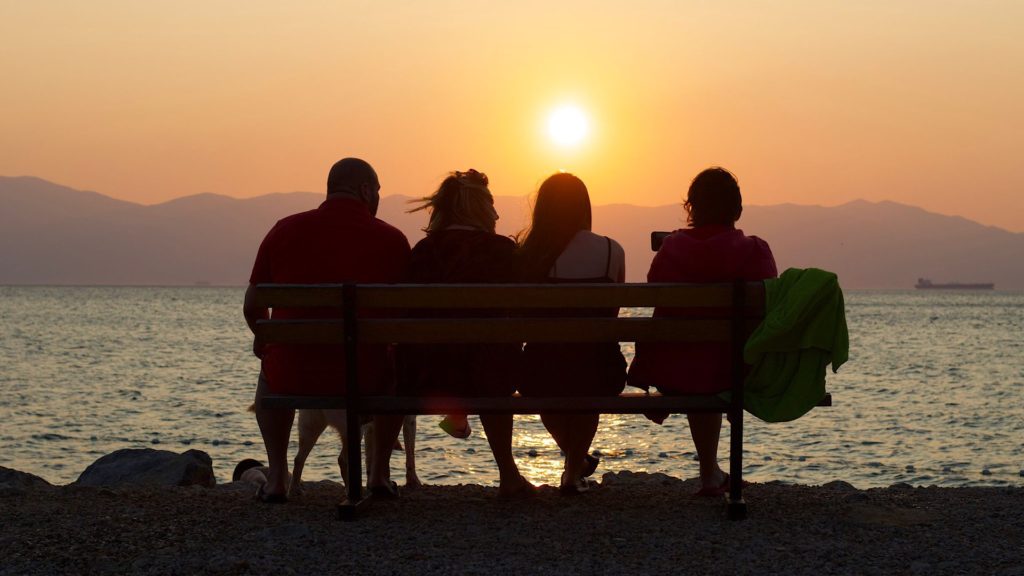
(462, 247)
(560, 248)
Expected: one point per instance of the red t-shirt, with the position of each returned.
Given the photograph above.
(708, 254)
(338, 242)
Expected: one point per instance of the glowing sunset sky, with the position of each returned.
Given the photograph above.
(807, 102)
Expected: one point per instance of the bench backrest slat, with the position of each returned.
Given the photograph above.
(299, 295)
(492, 330)
(301, 331)
(496, 330)
(512, 296)
(519, 296)
(710, 319)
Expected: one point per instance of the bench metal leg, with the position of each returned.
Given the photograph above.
(348, 510)
(348, 507)
(737, 508)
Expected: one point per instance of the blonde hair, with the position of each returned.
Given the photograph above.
(462, 199)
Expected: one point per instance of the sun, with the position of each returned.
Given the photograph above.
(568, 125)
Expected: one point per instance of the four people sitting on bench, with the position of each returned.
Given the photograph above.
(462, 247)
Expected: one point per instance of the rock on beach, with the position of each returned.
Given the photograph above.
(15, 482)
(148, 467)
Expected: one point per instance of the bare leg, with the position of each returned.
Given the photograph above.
(498, 428)
(409, 434)
(335, 419)
(311, 425)
(705, 430)
(276, 429)
(557, 426)
(573, 433)
(385, 433)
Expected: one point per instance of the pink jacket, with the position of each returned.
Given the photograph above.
(701, 255)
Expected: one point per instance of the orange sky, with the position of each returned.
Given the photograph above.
(806, 101)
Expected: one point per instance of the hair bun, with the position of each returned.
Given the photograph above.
(472, 178)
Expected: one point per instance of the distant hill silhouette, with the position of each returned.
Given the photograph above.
(51, 234)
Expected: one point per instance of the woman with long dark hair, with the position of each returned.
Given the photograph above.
(560, 248)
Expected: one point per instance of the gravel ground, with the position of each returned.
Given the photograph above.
(629, 524)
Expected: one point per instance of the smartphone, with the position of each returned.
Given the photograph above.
(657, 238)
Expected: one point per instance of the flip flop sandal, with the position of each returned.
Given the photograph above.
(460, 433)
(591, 467)
(581, 486)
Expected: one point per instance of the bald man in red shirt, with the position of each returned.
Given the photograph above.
(340, 241)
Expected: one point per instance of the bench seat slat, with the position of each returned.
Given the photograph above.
(623, 404)
(627, 403)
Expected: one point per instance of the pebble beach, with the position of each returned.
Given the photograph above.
(630, 523)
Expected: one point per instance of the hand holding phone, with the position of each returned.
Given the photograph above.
(657, 238)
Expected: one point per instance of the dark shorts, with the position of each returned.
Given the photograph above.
(572, 370)
(458, 370)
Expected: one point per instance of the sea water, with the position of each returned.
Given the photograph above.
(933, 394)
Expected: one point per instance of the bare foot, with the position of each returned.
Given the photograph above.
(714, 484)
(516, 490)
(412, 481)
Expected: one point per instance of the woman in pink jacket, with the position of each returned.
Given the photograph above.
(711, 250)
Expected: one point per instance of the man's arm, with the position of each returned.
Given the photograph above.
(253, 313)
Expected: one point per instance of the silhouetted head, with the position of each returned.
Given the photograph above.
(463, 199)
(561, 210)
(355, 178)
(242, 466)
(713, 198)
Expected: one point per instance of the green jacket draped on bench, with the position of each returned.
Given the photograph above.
(804, 330)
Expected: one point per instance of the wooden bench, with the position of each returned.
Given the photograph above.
(401, 313)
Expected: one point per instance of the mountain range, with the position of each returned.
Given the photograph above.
(55, 235)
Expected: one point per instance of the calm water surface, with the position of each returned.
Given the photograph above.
(933, 394)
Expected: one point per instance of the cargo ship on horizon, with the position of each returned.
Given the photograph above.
(926, 284)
